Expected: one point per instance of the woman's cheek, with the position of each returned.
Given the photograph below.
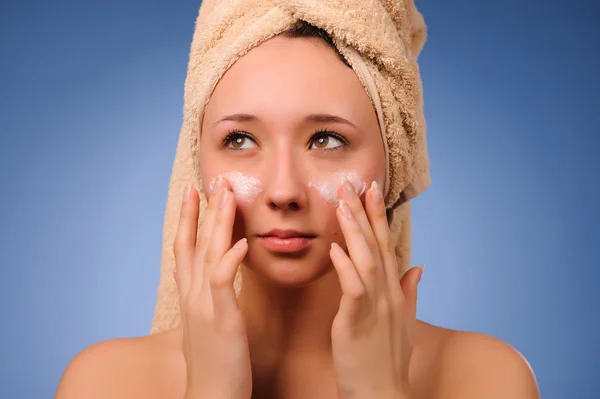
(327, 186)
(244, 188)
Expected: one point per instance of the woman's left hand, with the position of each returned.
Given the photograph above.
(372, 332)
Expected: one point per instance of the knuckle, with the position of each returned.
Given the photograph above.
(357, 293)
(205, 234)
(218, 280)
(202, 239)
(181, 243)
(370, 266)
(179, 248)
(396, 302)
(219, 219)
(210, 256)
(388, 245)
(373, 246)
(384, 308)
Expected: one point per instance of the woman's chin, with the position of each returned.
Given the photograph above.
(289, 270)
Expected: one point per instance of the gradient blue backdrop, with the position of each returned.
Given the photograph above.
(90, 109)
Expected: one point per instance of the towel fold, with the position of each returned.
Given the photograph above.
(380, 39)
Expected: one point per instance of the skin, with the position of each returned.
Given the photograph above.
(325, 293)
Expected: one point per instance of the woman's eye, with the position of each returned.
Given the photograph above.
(325, 141)
(239, 141)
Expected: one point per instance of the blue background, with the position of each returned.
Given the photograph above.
(90, 109)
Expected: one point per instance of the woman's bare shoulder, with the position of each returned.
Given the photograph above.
(474, 365)
(144, 367)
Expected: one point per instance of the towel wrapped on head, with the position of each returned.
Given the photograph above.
(379, 39)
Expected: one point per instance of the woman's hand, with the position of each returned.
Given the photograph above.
(215, 344)
(372, 331)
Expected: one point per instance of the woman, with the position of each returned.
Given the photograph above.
(295, 162)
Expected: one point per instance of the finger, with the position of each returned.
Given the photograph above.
(409, 284)
(376, 214)
(222, 230)
(185, 239)
(205, 233)
(358, 249)
(348, 193)
(222, 279)
(353, 290)
(400, 322)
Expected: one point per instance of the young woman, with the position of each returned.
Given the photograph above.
(293, 162)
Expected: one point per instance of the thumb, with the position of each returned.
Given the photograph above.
(409, 284)
(417, 281)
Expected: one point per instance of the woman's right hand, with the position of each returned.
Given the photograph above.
(215, 343)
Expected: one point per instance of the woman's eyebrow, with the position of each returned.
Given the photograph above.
(237, 118)
(324, 118)
(318, 118)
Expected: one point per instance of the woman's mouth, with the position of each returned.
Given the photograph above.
(286, 241)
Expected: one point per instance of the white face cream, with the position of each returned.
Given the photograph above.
(244, 188)
(328, 186)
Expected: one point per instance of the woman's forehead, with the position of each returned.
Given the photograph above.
(287, 76)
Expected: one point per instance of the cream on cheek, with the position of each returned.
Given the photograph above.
(327, 186)
(247, 188)
(244, 188)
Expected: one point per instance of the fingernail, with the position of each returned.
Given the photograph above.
(186, 193)
(422, 271)
(336, 248)
(347, 187)
(376, 193)
(345, 209)
(224, 197)
(240, 244)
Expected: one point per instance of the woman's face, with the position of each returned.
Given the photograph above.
(283, 125)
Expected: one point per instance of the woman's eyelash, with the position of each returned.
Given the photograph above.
(328, 133)
(233, 134)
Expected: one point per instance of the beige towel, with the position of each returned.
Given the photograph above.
(380, 39)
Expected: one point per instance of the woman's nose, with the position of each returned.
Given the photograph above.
(284, 188)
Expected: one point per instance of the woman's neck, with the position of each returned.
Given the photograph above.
(284, 323)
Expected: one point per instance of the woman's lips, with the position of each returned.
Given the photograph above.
(285, 244)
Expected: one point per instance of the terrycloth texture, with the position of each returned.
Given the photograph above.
(381, 40)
